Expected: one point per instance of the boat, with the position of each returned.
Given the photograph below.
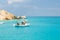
(20, 25)
(1, 22)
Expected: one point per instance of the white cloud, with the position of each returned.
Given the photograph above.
(9, 2)
(13, 1)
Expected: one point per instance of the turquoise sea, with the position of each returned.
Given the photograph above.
(41, 28)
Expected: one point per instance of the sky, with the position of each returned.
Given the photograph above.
(32, 7)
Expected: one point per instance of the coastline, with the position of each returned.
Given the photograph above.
(8, 20)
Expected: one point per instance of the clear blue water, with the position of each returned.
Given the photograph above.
(41, 28)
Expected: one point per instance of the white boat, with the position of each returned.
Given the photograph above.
(27, 24)
(1, 22)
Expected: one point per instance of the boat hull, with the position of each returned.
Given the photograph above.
(27, 24)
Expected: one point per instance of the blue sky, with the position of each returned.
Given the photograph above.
(32, 7)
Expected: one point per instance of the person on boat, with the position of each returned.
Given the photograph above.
(24, 22)
(18, 23)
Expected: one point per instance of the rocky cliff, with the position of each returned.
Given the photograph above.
(4, 15)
